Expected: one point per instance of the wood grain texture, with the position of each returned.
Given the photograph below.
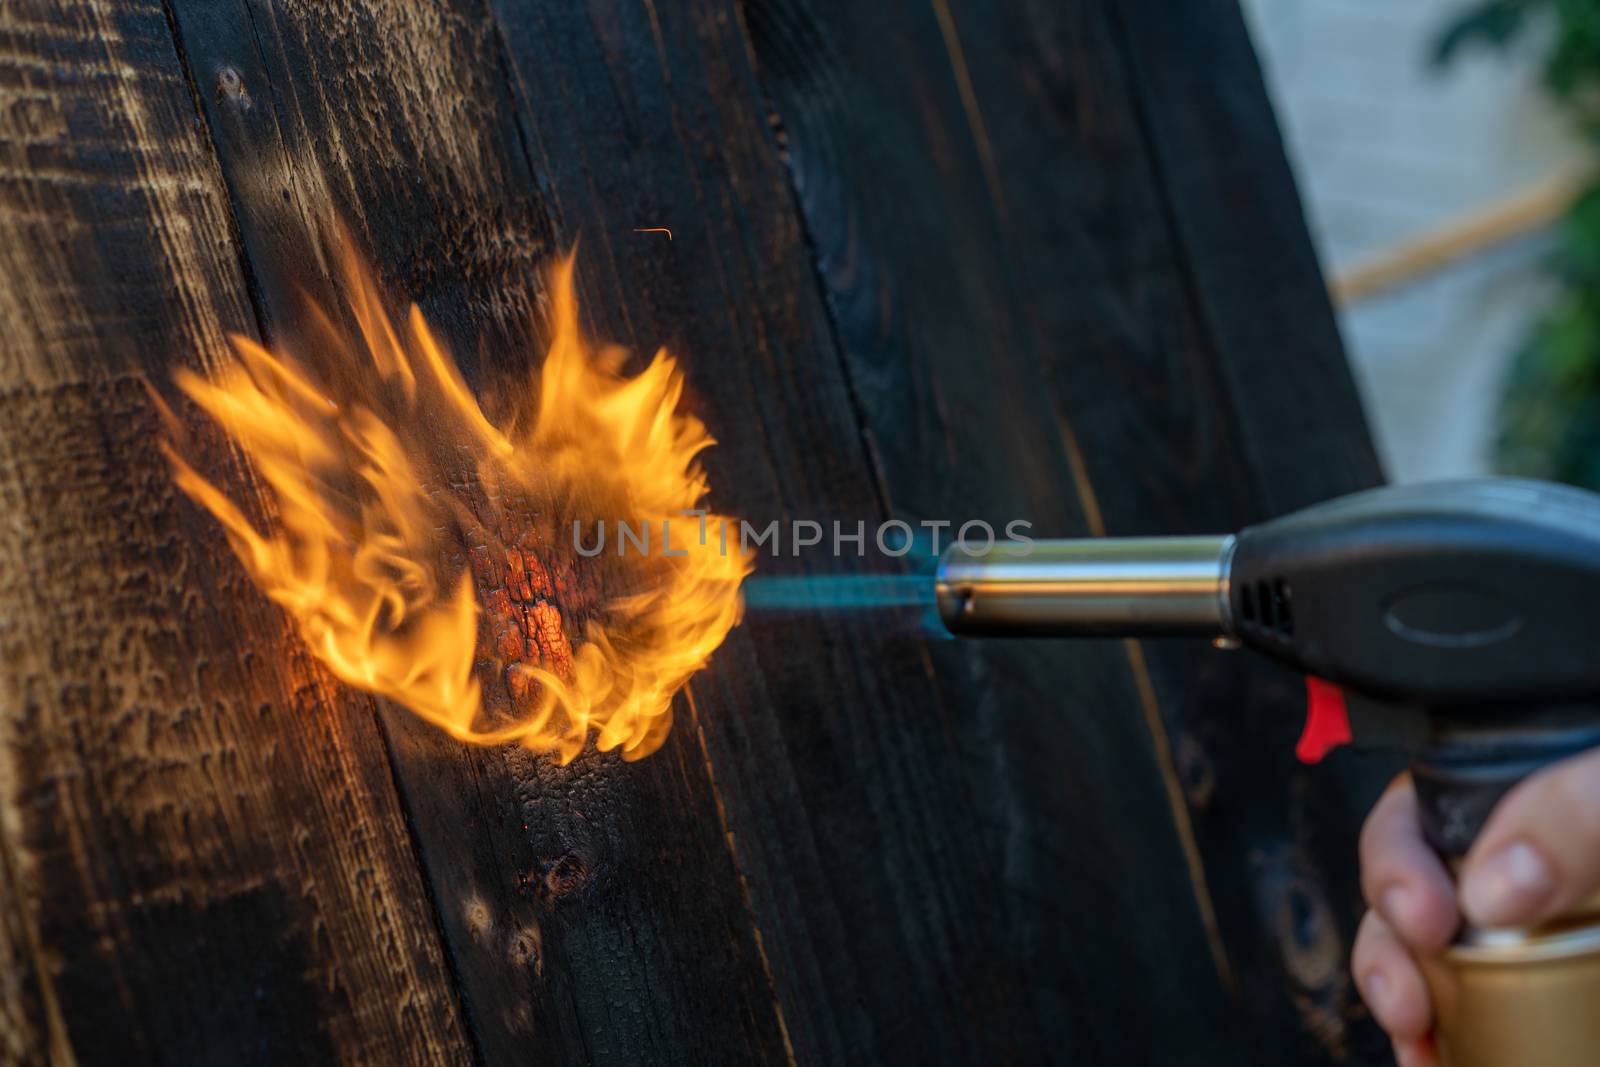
(992, 227)
(204, 858)
(913, 826)
(871, 918)
(1240, 240)
(593, 911)
(929, 261)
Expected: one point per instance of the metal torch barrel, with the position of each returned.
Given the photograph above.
(1112, 587)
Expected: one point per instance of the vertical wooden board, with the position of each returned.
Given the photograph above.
(1241, 240)
(917, 830)
(1279, 840)
(588, 917)
(1021, 326)
(203, 852)
(960, 417)
(645, 117)
(380, 114)
(27, 1013)
(593, 911)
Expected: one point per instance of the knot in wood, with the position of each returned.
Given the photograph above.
(230, 87)
(1195, 772)
(561, 877)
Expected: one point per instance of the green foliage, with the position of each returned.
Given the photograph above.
(1495, 22)
(1550, 416)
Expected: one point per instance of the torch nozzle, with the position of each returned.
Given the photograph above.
(1092, 587)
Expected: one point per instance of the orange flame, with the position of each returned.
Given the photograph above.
(425, 553)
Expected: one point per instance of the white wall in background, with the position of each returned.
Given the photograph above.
(1386, 146)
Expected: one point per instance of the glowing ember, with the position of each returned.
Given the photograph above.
(429, 556)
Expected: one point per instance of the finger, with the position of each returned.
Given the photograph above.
(1390, 981)
(1415, 1053)
(1401, 876)
(1539, 854)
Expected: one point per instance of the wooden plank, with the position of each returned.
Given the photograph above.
(202, 851)
(993, 234)
(841, 879)
(863, 966)
(593, 912)
(922, 834)
(28, 1014)
(1240, 239)
(914, 827)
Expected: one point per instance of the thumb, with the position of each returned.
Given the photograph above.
(1539, 854)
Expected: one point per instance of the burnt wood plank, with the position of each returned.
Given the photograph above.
(1240, 238)
(1025, 322)
(924, 836)
(924, 862)
(871, 920)
(1257, 314)
(593, 911)
(31, 1030)
(202, 852)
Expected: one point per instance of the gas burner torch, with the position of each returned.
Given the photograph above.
(1453, 620)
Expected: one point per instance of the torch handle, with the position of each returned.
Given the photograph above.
(1477, 758)
(1507, 998)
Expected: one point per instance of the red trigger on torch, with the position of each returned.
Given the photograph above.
(1327, 721)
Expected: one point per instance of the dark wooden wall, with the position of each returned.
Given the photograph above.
(930, 259)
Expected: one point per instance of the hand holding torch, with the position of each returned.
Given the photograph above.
(1451, 619)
